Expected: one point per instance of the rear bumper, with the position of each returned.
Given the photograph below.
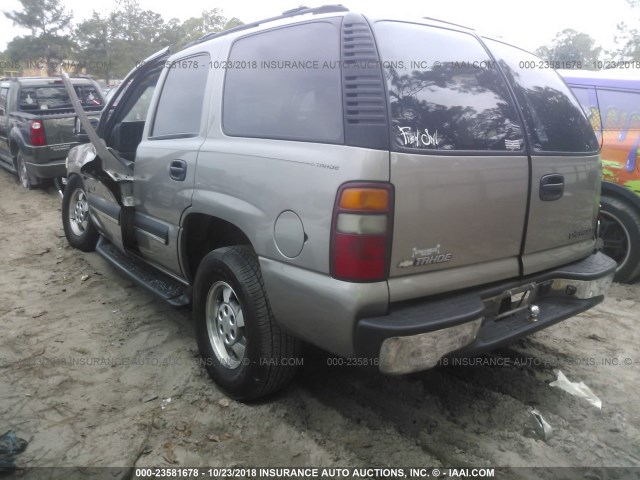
(415, 335)
(48, 161)
(53, 169)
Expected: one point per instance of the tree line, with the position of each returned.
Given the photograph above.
(572, 48)
(109, 45)
(105, 45)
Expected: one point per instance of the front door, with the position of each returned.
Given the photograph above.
(109, 181)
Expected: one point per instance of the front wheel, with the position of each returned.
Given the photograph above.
(620, 232)
(78, 228)
(245, 351)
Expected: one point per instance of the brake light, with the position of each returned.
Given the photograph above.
(38, 137)
(361, 232)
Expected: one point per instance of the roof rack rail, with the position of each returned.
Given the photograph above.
(302, 10)
(448, 23)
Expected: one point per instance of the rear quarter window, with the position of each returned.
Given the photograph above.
(445, 92)
(589, 103)
(286, 84)
(553, 117)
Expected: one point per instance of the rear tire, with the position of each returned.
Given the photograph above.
(620, 232)
(245, 351)
(23, 175)
(76, 220)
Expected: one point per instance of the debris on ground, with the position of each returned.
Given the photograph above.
(577, 389)
(538, 427)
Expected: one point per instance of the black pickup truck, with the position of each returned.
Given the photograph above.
(37, 125)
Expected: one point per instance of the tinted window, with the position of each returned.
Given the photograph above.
(89, 96)
(587, 98)
(43, 98)
(444, 91)
(140, 108)
(620, 110)
(180, 106)
(56, 97)
(582, 94)
(554, 119)
(135, 101)
(288, 85)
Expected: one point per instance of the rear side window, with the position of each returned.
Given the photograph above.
(445, 92)
(620, 110)
(554, 119)
(179, 109)
(89, 96)
(286, 84)
(589, 103)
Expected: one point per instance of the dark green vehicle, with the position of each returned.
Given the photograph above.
(36, 125)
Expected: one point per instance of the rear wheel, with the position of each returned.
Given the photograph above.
(78, 228)
(245, 351)
(620, 232)
(23, 174)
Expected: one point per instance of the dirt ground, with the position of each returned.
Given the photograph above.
(94, 371)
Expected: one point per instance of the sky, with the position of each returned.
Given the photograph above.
(528, 24)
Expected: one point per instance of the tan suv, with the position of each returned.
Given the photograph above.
(388, 190)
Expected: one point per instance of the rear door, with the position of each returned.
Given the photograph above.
(458, 162)
(165, 164)
(565, 163)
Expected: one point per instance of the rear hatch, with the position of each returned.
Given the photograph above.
(565, 163)
(467, 207)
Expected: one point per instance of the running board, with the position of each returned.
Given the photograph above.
(165, 287)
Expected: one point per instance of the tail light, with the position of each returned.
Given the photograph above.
(38, 137)
(361, 232)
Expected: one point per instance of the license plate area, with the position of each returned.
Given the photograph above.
(512, 301)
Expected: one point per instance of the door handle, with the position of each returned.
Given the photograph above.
(178, 170)
(551, 187)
